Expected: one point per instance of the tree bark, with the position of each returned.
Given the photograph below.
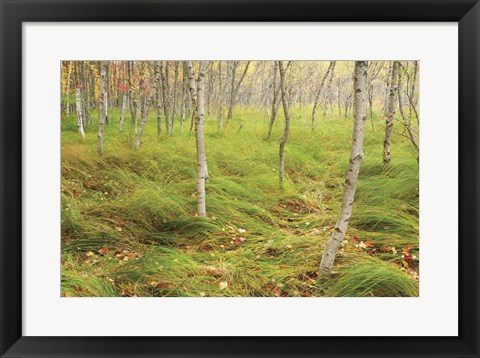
(145, 106)
(356, 155)
(78, 100)
(174, 107)
(283, 141)
(274, 101)
(122, 116)
(406, 119)
(197, 91)
(235, 87)
(101, 106)
(166, 96)
(319, 92)
(393, 89)
(158, 95)
(131, 94)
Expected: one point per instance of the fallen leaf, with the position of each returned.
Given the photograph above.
(407, 258)
(103, 251)
(223, 285)
(369, 243)
(354, 240)
(78, 289)
(90, 253)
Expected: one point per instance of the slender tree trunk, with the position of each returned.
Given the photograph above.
(356, 154)
(166, 96)
(67, 90)
(327, 99)
(145, 106)
(131, 94)
(184, 96)
(235, 87)
(122, 116)
(78, 100)
(387, 87)
(393, 89)
(319, 92)
(411, 95)
(197, 91)
(158, 95)
(283, 141)
(220, 98)
(274, 101)
(101, 106)
(174, 108)
(406, 119)
(232, 69)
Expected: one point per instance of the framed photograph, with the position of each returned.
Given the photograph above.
(239, 178)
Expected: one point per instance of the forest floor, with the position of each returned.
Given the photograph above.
(129, 226)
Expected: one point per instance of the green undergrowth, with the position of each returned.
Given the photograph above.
(129, 226)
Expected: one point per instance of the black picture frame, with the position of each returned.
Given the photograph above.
(15, 12)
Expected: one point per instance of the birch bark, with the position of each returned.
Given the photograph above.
(319, 92)
(393, 89)
(145, 106)
(197, 90)
(122, 116)
(101, 107)
(166, 96)
(356, 155)
(283, 141)
(78, 100)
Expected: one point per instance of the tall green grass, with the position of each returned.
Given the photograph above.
(129, 226)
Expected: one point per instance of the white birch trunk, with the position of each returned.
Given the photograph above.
(166, 96)
(101, 107)
(274, 101)
(393, 89)
(356, 155)
(78, 100)
(67, 90)
(197, 91)
(145, 106)
(283, 141)
(122, 116)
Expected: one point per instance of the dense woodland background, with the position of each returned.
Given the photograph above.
(240, 178)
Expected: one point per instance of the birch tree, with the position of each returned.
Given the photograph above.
(331, 66)
(78, 101)
(197, 91)
(144, 108)
(158, 95)
(132, 101)
(166, 96)
(283, 141)
(356, 155)
(393, 89)
(273, 115)
(101, 106)
(234, 87)
(122, 115)
(407, 119)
